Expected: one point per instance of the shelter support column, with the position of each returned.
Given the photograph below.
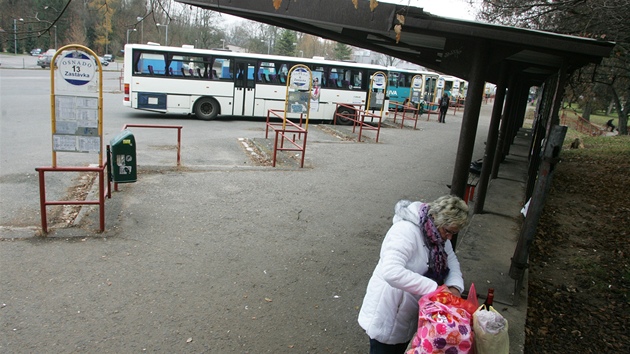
(470, 120)
(518, 114)
(491, 142)
(503, 130)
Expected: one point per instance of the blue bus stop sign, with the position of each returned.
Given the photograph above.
(77, 68)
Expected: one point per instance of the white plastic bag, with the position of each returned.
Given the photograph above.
(491, 332)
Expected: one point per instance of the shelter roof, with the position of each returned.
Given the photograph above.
(442, 44)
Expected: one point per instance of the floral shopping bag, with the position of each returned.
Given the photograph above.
(444, 324)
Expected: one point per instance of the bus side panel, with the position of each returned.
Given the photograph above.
(329, 99)
(151, 100)
(269, 97)
(178, 103)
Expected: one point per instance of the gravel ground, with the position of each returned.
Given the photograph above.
(224, 258)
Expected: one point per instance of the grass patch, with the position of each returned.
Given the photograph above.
(612, 148)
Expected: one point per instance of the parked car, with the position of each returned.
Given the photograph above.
(103, 61)
(36, 51)
(44, 59)
(109, 57)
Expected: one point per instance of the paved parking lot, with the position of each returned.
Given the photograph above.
(219, 255)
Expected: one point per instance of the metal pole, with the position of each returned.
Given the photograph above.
(166, 39)
(55, 36)
(15, 36)
(141, 19)
(129, 30)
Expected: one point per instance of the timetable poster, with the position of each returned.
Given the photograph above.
(76, 127)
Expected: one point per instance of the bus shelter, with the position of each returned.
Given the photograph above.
(514, 59)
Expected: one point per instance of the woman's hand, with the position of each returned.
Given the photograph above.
(454, 291)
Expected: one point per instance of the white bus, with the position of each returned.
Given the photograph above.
(453, 86)
(208, 83)
(399, 85)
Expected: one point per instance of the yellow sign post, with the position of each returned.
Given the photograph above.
(376, 97)
(298, 97)
(76, 102)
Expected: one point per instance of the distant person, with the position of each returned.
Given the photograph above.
(416, 257)
(610, 126)
(408, 103)
(444, 102)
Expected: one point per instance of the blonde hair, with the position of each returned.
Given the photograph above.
(449, 210)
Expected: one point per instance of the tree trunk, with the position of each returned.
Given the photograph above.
(623, 122)
(610, 107)
(588, 108)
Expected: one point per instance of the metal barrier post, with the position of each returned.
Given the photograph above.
(42, 200)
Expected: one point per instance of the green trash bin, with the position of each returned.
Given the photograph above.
(123, 158)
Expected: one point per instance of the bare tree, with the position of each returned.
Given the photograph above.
(597, 19)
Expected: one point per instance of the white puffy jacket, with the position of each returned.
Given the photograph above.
(389, 312)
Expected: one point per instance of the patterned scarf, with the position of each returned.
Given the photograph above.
(438, 268)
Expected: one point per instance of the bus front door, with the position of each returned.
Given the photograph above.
(244, 87)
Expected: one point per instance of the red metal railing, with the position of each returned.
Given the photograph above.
(406, 112)
(284, 134)
(432, 108)
(358, 117)
(580, 124)
(104, 184)
(160, 126)
(459, 103)
(103, 192)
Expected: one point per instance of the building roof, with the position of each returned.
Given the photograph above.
(437, 43)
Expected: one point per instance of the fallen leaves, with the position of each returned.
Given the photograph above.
(570, 300)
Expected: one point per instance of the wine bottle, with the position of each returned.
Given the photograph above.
(489, 299)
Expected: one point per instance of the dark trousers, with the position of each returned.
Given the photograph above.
(442, 117)
(377, 347)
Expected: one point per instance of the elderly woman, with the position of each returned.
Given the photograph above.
(416, 257)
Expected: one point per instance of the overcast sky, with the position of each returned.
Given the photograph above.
(459, 9)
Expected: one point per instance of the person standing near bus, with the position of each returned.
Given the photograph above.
(444, 102)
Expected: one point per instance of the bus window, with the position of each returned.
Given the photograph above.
(358, 81)
(240, 74)
(186, 66)
(222, 69)
(150, 64)
(393, 79)
(283, 72)
(331, 78)
(266, 73)
(318, 73)
(402, 80)
(354, 79)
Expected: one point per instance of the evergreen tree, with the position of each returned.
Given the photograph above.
(342, 52)
(286, 45)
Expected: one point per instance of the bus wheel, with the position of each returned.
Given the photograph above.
(206, 108)
(346, 112)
